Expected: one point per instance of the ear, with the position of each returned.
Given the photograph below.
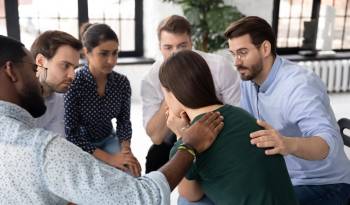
(266, 46)
(191, 45)
(40, 59)
(85, 50)
(10, 72)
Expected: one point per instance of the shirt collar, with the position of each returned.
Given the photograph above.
(89, 75)
(272, 74)
(14, 111)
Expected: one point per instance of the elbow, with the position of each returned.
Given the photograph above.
(156, 139)
(191, 197)
(190, 190)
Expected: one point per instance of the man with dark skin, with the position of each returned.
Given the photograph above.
(40, 167)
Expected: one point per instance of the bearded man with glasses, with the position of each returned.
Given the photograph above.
(292, 104)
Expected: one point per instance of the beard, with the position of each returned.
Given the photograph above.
(253, 71)
(33, 102)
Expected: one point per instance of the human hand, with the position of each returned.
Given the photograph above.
(177, 123)
(203, 133)
(271, 139)
(126, 161)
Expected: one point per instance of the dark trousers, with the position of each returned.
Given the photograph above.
(329, 194)
(158, 155)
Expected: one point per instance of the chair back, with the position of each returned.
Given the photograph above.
(344, 123)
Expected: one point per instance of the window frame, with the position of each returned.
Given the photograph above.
(314, 15)
(13, 27)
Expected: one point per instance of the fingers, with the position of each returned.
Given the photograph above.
(273, 151)
(133, 165)
(124, 168)
(218, 129)
(262, 138)
(264, 124)
(134, 170)
(266, 144)
(209, 117)
(216, 122)
(260, 133)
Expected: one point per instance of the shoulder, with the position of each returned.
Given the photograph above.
(211, 58)
(81, 73)
(153, 73)
(293, 76)
(81, 78)
(119, 80)
(120, 77)
(236, 112)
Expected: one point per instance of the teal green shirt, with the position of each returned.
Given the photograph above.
(232, 171)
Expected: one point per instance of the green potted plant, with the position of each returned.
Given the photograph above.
(209, 19)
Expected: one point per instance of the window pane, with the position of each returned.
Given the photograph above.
(296, 8)
(37, 16)
(346, 43)
(292, 15)
(128, 35)
(282, 32)
(293, 39)
(3, 30)
(109, 9)
(129, 6)
(340, 5)
(119, 15)
(284, 8)
(338, 33)
(307, 8)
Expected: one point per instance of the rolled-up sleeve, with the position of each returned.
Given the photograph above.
(82, 179)
(124, 130)
(310, 110)
(151, 94)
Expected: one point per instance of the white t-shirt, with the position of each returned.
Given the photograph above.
(226, 81)
(53, 119)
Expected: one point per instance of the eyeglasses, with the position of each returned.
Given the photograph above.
(242, 53)
(35, 69)
(34, 65)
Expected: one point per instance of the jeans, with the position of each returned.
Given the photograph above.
(204, 201)
(330, 194)
(109, 144)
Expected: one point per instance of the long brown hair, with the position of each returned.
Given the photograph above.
(187, 75)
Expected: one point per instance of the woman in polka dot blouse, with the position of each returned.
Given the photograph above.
(97, 95)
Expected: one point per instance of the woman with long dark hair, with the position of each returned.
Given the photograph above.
(97, 95)
(232, 171)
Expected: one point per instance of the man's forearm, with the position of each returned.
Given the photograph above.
(176, 168)
(156, 127)
(102, 155)
(308, 148)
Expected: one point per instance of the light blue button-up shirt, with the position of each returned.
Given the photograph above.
(40, 167)
(295, 102)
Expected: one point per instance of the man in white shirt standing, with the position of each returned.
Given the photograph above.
(174, 34)
(57, 55)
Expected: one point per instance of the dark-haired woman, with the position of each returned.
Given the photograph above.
(96, 97)
(231, 171)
